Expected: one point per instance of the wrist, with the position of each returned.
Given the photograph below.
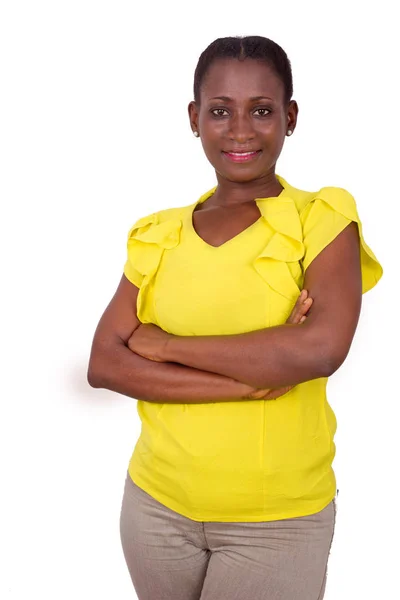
(246, 391)
(168, 349)
(257, 393)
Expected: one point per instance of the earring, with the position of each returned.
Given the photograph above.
(289, 132)
(196, 133)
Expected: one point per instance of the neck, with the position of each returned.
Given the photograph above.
(230, 193)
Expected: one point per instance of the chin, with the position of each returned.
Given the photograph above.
(238, 177)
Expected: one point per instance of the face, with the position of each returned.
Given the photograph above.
(242, 110)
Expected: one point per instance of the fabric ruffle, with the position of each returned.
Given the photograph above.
(284, 246)
(284, 258)
(147, 241)
(341, 201)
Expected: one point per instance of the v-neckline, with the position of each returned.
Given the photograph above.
(242, 233)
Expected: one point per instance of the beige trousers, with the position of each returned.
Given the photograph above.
(171, 557)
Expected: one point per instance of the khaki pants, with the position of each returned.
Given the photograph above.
(171, 557)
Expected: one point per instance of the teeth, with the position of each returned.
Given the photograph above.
(242, 153)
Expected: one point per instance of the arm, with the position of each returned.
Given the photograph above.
(114, 366)
(286, 354)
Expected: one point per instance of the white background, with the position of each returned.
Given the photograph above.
(95, 134)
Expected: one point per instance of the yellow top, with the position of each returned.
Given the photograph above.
(250, 460)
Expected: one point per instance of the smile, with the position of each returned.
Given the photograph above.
(240, 157)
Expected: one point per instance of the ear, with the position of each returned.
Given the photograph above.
(193, 116)
(292, 112)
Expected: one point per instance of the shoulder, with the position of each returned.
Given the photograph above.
(171, 215)
(158, 217)
(336, 197)
(328, 198)
(317, 205)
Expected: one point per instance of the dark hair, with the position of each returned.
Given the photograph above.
(241, 47)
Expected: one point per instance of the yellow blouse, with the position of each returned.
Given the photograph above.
(250, 460)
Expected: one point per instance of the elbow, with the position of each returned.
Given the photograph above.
(332, 361)
(92, 378)
(326, 353)
(328, 368)
(326, 348)
(95, 375)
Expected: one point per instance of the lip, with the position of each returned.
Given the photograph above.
(242, 156)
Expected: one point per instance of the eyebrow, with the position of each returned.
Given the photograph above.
(253, 98)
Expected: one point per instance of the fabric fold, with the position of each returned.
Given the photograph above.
(147, 241)
(341, 201)
(284, 246)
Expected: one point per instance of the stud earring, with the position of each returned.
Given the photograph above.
(196, 133)
(289, 132)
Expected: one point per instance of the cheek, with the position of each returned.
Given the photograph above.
(272, 128)
(273, 134)
(212, 128)
(279, 142)
(211, 133)
(211, 143)
(213, 156)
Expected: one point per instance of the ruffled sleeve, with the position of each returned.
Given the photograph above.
(278, 263)
(148, 239)
(323, 218)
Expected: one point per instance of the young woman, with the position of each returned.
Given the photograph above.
(230, 491)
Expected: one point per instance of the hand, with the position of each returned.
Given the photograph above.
(300, 309)
(149, 341)
(296, 317)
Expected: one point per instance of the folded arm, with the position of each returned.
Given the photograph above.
(115, 367)
(288, 354)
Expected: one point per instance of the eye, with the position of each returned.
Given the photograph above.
(264, 112)
(217, 112)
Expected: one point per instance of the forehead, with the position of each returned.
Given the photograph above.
(241, 79)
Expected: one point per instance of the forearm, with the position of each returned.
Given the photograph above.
(119, 369)
(277, 356)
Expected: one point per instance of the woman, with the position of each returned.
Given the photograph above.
(229, 494)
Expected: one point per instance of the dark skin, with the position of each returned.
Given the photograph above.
(264, 363)
(115, 367)
(239, 123)
(282, 355)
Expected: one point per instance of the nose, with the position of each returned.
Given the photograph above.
(240, 128)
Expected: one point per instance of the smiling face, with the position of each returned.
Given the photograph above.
(242, 109)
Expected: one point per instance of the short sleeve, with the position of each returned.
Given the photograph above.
(132, 274)
(323, 218)
(149, 237)
(131, 271)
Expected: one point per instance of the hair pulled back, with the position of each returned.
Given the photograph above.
(242, 47)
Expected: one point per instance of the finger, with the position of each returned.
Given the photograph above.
(259, 393)
(301, 299)
(304, 307)
(303, 295)
(277, 392)
(302, 311)
(299, 310)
